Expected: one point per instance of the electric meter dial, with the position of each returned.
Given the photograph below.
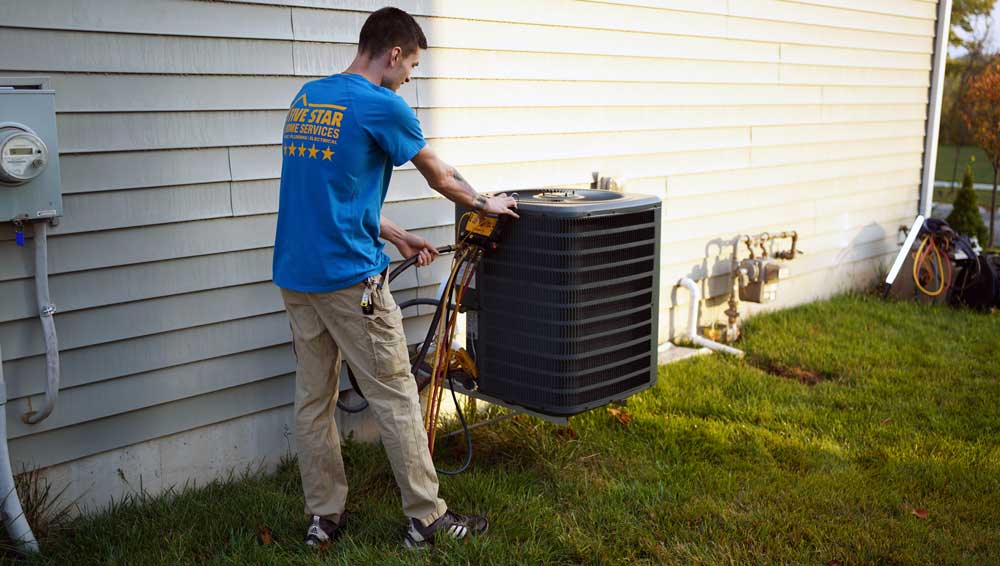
(23, 155)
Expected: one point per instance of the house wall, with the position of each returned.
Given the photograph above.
(742, 115)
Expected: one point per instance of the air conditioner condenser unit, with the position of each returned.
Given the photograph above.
(563, 317)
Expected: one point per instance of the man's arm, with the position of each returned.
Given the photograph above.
(407, 243)
(446, 180)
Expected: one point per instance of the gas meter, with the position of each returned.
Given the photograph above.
(29, 153)
(759, 279)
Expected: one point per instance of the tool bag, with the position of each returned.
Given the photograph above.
(977, 283)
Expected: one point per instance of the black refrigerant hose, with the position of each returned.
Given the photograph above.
(419, 361)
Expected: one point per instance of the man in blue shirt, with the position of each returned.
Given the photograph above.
(342, 137)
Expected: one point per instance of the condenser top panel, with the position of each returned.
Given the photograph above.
(577, 202)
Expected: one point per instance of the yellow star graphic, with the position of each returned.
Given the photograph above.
(327, 154)
(291, 148)
(302, 150)
(312, 152)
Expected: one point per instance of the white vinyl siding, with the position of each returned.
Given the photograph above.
(742, 115)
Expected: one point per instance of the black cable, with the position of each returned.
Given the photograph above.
(408, 263)
(444, 302)
(357, 391)
(427, 302)
(468, 436)
(465, 429)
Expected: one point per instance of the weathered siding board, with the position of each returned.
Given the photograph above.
(483, 122)
(748, 179)
(97, 287)
(474, 93)
(34, 51)
(70, 443)
(516, 149)
(744, 116)
(717, 203)
(168, 130)
(139, 391)
(140, 169)
(138, 245)
(835, 57)
(804, 13)
(836, 151)
(154, 17)
(112, 360)
(908, 8)
(171, 93)
(813, 75)
(810, 34)
(143, 207)
(889, 94)
(128, 320)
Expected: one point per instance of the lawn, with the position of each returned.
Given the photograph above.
(948, 196)
(857, 431)
(982, 171)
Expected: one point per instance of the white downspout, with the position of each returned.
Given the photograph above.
(691, 286)
(934, 107)
(13, 515)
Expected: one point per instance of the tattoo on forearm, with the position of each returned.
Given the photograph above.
(458, 176)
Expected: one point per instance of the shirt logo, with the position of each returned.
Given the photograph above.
(309, 124)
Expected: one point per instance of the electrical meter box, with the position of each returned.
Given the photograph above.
(29, 151)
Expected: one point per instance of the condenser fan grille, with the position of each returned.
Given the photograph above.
(567, 315)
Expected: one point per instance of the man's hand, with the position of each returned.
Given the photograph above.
(410, 245)
(446, 180)
(500, 204)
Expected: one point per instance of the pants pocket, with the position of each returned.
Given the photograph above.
(389, 344)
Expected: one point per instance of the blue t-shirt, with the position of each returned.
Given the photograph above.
(342, 136)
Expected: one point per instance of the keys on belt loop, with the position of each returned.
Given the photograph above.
(367, 304)
(372, 285)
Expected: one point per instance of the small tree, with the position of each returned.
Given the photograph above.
(982, 116)
(964, 217)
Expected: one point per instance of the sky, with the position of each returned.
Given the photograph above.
(994, 39)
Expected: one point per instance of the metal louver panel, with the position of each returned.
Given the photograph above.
(568, 303)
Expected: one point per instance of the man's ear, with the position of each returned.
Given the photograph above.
(395, 56)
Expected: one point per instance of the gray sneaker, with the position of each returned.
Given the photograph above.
(449, 525)
(324, 530)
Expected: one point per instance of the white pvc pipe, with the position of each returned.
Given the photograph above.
(13, 515)
(691, 286)
(934, 108)
(911, 237)
(45, 311)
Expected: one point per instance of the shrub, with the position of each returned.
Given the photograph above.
(965, 217)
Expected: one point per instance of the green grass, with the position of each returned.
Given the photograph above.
(721, 463)
(948, 196)
(981, 169)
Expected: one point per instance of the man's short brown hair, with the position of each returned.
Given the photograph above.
(388, 28)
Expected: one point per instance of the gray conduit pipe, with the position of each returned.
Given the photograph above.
(691, 286)
(13, 515)
(45, 311)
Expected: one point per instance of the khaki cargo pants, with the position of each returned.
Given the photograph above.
(326, 327)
